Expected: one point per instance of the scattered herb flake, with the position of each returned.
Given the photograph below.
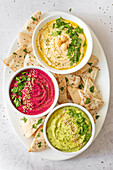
(90, 64)
(24, 119)
(87, 101)
(39, 144)
(34, 19)
(70, 10)
(39, 121)
(90, 70)
(25, 50)
(38, 135)
(81, 86)
(66, 79)
(28, 79)
(15, 53)
(92, 89)
(27, 27)
(41, 130)
(62, 88)
(34, 126)
(97, 116)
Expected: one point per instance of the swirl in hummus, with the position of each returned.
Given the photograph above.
(61, 44)
(32, 92)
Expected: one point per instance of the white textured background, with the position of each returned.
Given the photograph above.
(98, 14)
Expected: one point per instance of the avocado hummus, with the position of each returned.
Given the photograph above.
(61, 44)
(69, 129)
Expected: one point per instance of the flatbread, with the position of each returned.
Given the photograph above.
(30, 60)
(62, 91)
(25, 39)
(38, 143)
(72, 80)
(91, 73)
(31, 125)
(32, 22)
(94, 103)
(16, 60)
(87, 89)
(93, 61)
(74, 93)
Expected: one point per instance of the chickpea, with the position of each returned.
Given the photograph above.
(64, 46)
(63, 38)
(58, 41)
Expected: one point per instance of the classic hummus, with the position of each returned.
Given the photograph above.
(32, 91)
(61, 44)
(69, 129)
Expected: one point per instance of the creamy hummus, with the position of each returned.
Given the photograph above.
(69, 129)
(32, 91)
(61, 44)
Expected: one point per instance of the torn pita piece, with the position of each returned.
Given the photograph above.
(62, 90)
(30, 60)
(25, 39)
(31, 125)
(89, 102)
(91, 89)
(74, 93)
(90, 73)
(92, 61)
(72, 80)
(16, 60)
(38, 143)
(32, 22)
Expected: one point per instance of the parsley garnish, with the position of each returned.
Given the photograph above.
(25, 50)
(17, 101)
(56, 33)
(39, 144)
(66, 79)
(62, 88)
(92, 89)
(34, 126)
(87, 101)
(15, 53)
(38, 135)
(27, 27)
(84, 44)
(24, 119)
(81, 86)
(90, 64)
(39, 121)
(41, 130)
(70, 10)
(28, 79)
(90, 70)
(34, 19)
(97, 116)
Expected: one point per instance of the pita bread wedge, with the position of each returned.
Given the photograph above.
(25, 39)
(32, 125)
(30, 60)
(91, 89)
(38, 143)
(32, 22)
(16, 60)
(72, 80)
(91, 73)
(89, 102)
(62, 91)
(92, 61)
(74, 93)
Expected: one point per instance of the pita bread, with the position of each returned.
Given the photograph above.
(93, 104)
(92, 61)
(87, 89)
(62, 91)
(16, 60)
(38, 143)
(72, 80)
(93, 113)
(30, 60)
(91, 73)
(74, 93)
(32, 22)
(32, 125)
(25, 39)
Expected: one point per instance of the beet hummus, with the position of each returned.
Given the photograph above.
(32, 92)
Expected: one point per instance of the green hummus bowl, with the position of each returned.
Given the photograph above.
(69, 129)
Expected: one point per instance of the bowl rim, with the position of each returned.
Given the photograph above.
(86, 145)
(55, 86)
(87, 34)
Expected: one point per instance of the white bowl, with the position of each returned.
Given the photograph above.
(92, 134)
(55, 86)
(81, 24)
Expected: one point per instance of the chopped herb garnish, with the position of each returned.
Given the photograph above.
(97, 116)
(27, 27)
(56, 33)
(24, 119)
(81, 86)
(92, 89)
(20, 56)
(84, 44)
(15, 53)
(70, 10)
(28, 79)
(87, 101)
(34, 19)
(17, 101)
(12, 96)
(39, 144)
(39, 121)
(38, 135)
(66, 79)
(90, 70)
(41, 130)
(34, 126)
(19, 93)
(24, 72)
(90, 64)
(25, 50)
(62, 88)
